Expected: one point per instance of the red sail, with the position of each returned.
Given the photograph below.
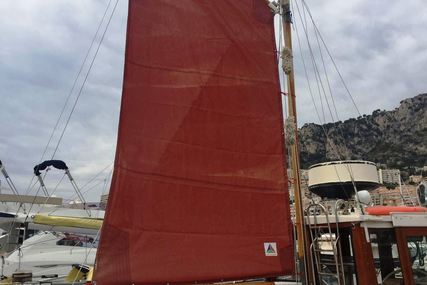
(199, 190)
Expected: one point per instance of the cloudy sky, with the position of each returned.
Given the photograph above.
(380, 47)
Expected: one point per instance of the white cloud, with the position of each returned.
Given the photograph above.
(43, 45)
(379, 47)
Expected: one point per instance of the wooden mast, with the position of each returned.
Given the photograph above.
(291, 122)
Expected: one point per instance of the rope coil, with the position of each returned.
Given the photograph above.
(287, 60)
(290, 129)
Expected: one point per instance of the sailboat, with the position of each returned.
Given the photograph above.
(200, 189)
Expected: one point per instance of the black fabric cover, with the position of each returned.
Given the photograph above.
(58, 164)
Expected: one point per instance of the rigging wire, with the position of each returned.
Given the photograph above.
(306, 73)
(107, 178)
(50, 195)
(37, 243)
(304, 25)
(319, 78)
(328, 140)
(333, 147)
(87, 190)
(85, 79)
(81, 89)
(91, 180)
(87, 254)
(72, 88)
(29, 188)
(305, 70)
(317, 34)
(319, 82)
(87, 73)
(337, 70)
(96, 176)
(332, 58)
(327, 77)
(93, 186)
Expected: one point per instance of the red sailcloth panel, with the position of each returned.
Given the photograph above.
(199, 191)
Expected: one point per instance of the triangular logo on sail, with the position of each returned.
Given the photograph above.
(270, 249)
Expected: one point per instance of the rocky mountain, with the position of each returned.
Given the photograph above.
(395, 138)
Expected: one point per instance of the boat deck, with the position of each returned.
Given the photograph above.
(372, 221)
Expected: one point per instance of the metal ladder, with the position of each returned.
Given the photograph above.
(328, 271)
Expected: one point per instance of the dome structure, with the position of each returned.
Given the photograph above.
(339, 179)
